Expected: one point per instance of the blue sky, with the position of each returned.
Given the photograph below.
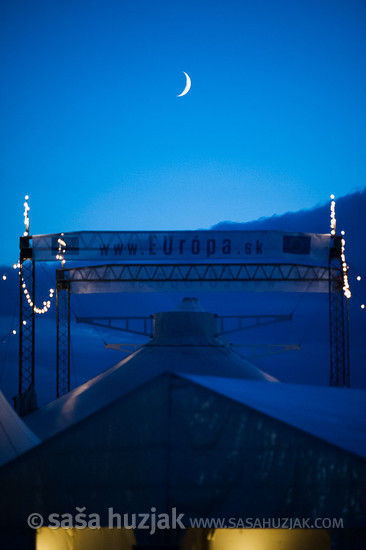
(92, 130)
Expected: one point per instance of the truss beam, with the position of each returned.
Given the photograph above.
(125, 277)
(115, 323)
(63, 338)
(226, 323)
(244, 322)
(264, 350)
(26, 317)
(339, 335)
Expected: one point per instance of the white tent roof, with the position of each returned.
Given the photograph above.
(15, 436)
(336, 415)
(184, 341)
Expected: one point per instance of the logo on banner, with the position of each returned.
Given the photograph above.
(293, 244)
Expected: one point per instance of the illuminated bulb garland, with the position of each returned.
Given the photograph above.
(26, 217)
(46, 304)
(60, 256)
(333, 223)
(333, 227)
(346, 289)
(61, 251)
(5, 275)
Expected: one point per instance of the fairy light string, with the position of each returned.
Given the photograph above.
(26, 217)
(46, 304)
(345, 267)
(333, 222)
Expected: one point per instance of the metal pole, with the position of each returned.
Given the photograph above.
(57, 341)
(348, 359)
(68, 338)
(20, 388)
(63, 335)
(33, 320)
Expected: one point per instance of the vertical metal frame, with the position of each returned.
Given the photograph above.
(26, 318)
(338, 321)
(63, 335)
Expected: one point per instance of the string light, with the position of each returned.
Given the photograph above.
(26, 217)
(358, 277)
(61, 251)
(46, 303)
(333, 227)
(5, 275)
(362, 306)
(333, 222)
(346, 288)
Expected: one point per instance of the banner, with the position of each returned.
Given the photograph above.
(186, 247)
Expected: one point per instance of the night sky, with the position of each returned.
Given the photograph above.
(92, 129)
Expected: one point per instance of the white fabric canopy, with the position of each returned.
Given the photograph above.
(15, 436)
(336, 415)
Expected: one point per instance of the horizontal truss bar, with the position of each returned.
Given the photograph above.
(110, 323)
(244, 322)
(237, 323)
(195, 272)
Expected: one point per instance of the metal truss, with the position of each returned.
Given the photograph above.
(63, 338)
(264, 350)
(115, 323)
(197, 272)
(339, 333)
(243, 322)
(26, 327)
(26, 401)
(73, 280)
(153, 276)
(226, 323)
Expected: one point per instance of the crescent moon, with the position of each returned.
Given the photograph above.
(188, 86)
